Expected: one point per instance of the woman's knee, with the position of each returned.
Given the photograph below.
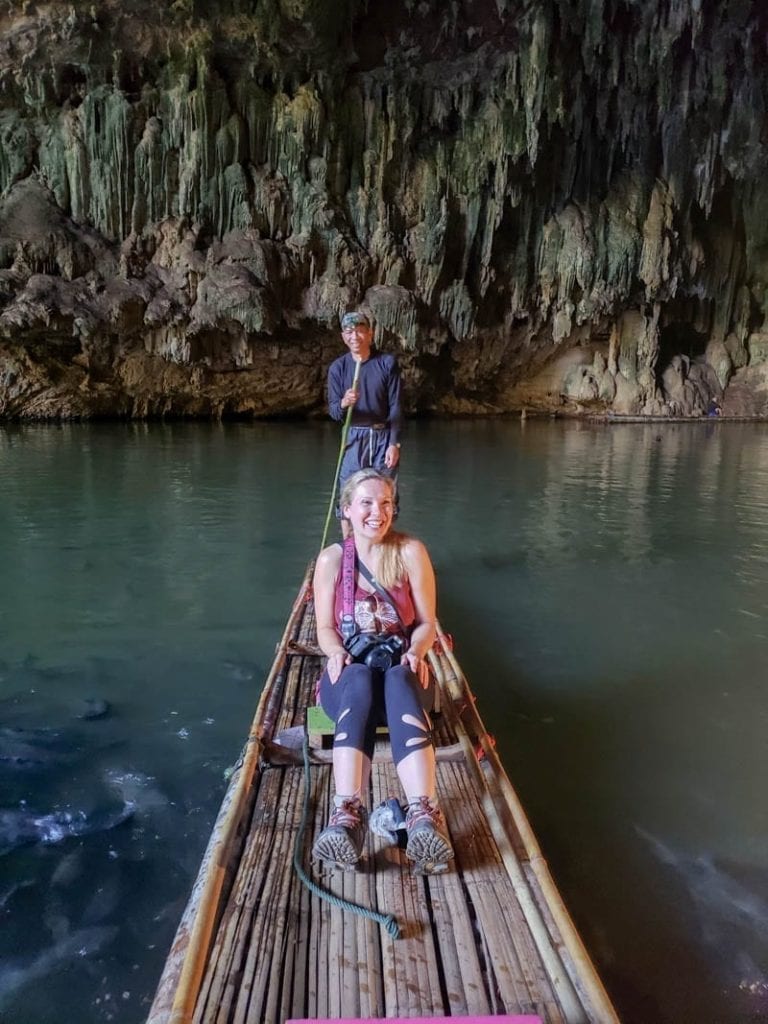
(356, 683)
(400, 677)
(403, 690)
(353, 706)
(409, 724)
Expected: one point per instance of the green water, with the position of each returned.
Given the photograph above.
(608, 590)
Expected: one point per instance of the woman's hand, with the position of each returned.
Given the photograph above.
(418, 666)
(336, 664)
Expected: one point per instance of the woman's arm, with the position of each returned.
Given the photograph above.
(421, 577)
(327, 570)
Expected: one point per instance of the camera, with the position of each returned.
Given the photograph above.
(376, 650)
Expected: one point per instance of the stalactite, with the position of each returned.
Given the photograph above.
(567, 166)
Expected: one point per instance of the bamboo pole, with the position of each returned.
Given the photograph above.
(587, 976)
(204, 913)
(344, 432)
(554, 966)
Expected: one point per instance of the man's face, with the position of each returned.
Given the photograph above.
(358, 339)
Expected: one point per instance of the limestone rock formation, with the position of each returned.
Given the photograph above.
(556, 205)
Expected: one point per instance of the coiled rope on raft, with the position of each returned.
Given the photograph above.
(388, 921)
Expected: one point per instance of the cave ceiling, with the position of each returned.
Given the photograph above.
(557, 206)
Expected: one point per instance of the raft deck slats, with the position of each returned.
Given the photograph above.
(481, 939)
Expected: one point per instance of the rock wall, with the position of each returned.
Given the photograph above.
(555, 205)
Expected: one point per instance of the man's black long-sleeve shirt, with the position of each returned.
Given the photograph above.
(378, 388)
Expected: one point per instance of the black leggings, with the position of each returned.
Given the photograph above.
(362, 699)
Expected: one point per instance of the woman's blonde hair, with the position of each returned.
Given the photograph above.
(391, 568)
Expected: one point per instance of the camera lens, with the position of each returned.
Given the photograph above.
(379, 658)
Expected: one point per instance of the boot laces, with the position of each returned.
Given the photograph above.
(422, 813)
(346, 815)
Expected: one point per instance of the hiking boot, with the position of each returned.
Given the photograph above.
(342, 840)
(428, 844)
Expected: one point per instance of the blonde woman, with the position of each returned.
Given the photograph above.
(386, 609)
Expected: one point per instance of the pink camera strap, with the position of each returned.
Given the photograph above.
(350, 564)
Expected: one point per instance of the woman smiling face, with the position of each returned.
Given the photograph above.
(371, 509)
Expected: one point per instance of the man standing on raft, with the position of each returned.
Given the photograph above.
(373, 440)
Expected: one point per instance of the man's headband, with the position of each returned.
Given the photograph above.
(353, 319)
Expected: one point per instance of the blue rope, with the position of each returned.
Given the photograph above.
(387, 920)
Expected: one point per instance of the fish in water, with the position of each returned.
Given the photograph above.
(93, 707)
(138, 790)
(731, 915)
(20, 708)
(8, 894)
(24, 748)
(32, 748)
(20, 827)
(18, 972)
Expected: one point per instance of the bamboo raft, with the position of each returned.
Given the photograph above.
(488, 937)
